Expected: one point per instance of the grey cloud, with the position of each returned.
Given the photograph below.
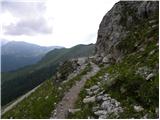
(28, 27)
(30, 15)
(23, 8)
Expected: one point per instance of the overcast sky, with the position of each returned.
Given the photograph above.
(53, 22)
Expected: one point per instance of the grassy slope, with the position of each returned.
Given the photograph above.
(138, 91)
(41, 103)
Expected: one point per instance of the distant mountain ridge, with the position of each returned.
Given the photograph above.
(19, 54)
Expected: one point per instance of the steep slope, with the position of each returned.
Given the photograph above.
(41, 103)
(127, 85)
(19, 82)
(121, 22)
(127, 49)
(19, 54)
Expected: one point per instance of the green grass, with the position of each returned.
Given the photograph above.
(40, 104)
(137, 89)
(36, 105)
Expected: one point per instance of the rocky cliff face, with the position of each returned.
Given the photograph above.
(118, 23)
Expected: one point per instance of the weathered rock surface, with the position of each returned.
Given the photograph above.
(73, 110)
(105, 105)
(113, 27)
(89, 100)
(109, 106)
(100, 112)
(150, 76)
(138, 108)
(94, 87)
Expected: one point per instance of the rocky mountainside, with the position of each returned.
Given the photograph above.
(120, 81)
(127, 50)
(120, 22)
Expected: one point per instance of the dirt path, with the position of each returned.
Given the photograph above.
(11, 105)
(71, 96)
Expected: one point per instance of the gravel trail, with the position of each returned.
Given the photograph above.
(68, 101)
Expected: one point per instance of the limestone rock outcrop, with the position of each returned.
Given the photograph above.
(116, 24)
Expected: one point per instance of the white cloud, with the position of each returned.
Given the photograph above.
(73, 21)
(7, 18)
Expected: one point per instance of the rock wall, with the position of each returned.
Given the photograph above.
(118, 22)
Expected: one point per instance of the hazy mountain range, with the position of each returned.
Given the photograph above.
(15, 54)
